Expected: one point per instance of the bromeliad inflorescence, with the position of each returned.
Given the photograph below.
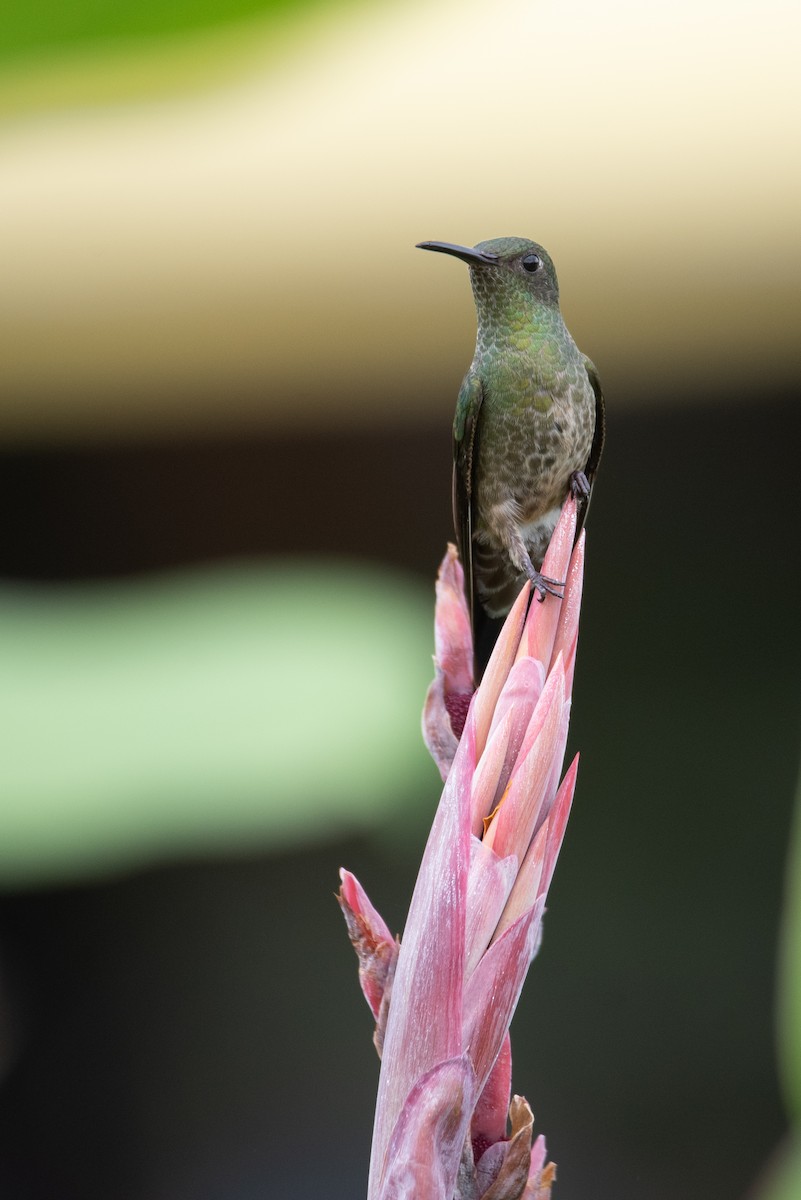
(443, 997)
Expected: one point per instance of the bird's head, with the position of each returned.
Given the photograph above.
(506, 272)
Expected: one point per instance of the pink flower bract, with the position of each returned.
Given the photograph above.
(475, 918)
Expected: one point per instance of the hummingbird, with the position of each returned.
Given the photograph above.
(528, 430)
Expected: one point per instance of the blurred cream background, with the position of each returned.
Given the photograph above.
(241, 256)
(226, 387)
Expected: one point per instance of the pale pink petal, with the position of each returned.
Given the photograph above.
(489, 1119)
(567, 627)
(558, 758)
(528, 885)
(519, 697)
(490, 882)
(521, 691)
(425, 1148)
(557, 822)
(515, 822)
(534, 877)
(540, 711)
(500, 664)
(492, 991)
(448, 697)
(512, 734)
(375, 946)
(570, 665)
(483, 797)
(538, 636)
(425, 1019)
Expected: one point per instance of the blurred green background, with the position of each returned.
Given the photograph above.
(225, 410)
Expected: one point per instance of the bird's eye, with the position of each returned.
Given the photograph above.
(531, 262)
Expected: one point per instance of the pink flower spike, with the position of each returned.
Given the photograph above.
(445, 997)
(543, 616)
(449, 695)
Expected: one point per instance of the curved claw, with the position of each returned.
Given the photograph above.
(579, 486)
(545, 585)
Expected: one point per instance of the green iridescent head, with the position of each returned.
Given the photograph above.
(515, 269)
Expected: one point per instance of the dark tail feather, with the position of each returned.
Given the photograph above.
(497, 586)
(485, 635)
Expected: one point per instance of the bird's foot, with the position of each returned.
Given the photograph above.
(579, 486)
(544, 585)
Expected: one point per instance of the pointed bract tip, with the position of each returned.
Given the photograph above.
(500, 664)
(376, 949)
(557, 823)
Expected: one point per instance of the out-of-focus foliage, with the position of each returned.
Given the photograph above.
(785, 1183)
(63, 56)
(32, 26)
(212, 709)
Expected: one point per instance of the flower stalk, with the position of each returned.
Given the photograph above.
(444, 997)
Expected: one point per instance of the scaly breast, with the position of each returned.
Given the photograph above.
(529, 448)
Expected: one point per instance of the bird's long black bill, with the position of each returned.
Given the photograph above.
(475, 258)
